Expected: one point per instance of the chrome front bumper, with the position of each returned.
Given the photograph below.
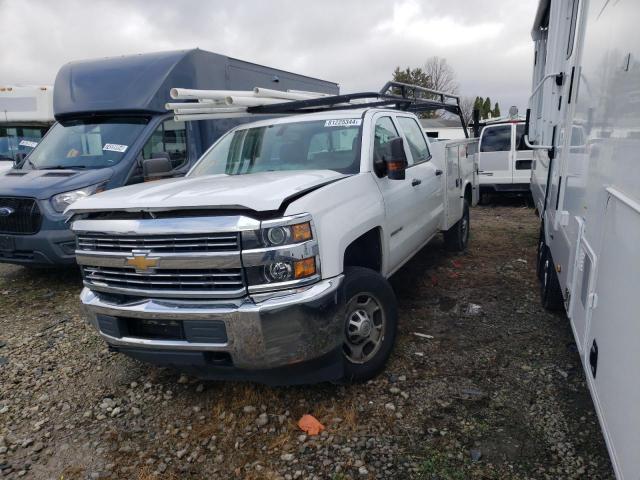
(299, 326)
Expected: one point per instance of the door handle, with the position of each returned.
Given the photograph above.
(415, 182)
(438, 172)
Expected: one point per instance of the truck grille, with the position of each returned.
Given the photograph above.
(211, 242)
(24, 217)
(168, 283)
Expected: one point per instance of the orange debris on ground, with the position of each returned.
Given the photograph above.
(310, 425)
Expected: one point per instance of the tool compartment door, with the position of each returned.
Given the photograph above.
(612, 351)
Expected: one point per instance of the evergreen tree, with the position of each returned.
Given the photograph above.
(496, 111)
(486, 108)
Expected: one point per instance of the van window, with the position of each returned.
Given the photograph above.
(169, 138)
(496, 139)
(415, 139)
(520, 145)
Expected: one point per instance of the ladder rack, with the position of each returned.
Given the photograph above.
(215, 104)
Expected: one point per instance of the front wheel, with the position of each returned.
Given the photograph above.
(457, 237)
(371, 319)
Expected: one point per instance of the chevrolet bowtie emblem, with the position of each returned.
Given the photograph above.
(141, 261)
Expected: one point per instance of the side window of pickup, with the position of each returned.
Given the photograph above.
(417, 144)
(496, 139)
(384, 132)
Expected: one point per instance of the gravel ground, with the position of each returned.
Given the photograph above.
(482, 384)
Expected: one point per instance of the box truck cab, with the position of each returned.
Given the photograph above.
(504, 159)
(113, 130)
(26, 113)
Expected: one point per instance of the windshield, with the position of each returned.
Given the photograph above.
(87, 143)
(310, 145)
(16, 142)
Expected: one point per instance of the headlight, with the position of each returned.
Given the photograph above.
(285, 234)
(283, 254)
(61, 201)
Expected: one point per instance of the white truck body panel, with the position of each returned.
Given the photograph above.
(26, 103)
(588, 196)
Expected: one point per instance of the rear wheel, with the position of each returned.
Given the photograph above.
(550, 292)
(371, 319)
(457, 237)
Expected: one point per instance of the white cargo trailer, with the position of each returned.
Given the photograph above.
(26, 113)
(584, 127)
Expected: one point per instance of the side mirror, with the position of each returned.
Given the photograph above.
(397, 164)
(156, 168)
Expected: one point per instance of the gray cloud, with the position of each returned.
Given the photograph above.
(357, 43)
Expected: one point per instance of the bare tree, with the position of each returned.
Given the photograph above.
(441, 75)
(466, 106)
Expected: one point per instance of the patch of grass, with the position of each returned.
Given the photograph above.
(437, 466)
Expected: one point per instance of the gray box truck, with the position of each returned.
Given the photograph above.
(111, 125)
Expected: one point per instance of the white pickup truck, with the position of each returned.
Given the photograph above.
(269, 260)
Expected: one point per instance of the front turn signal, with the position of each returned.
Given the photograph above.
(304, 268)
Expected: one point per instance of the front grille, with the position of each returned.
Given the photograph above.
(210, 242)
(24, 217)
(164, 282)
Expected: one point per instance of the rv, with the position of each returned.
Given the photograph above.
(504, 160)
(584, 129)
(113, 130)
(26, 113)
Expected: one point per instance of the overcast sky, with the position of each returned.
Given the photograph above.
(356, 43)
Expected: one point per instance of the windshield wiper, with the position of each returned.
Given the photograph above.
(61, 167)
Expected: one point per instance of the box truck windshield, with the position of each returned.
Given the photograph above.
(87, 143)
(17, 141)
(319, 145)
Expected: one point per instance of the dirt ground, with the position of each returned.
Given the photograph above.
(482, 384)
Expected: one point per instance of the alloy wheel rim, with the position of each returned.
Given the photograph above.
(364, 328)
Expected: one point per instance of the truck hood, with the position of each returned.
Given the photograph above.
(43, 184)
(258, 191)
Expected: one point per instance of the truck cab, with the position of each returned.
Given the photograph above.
(504, 159)
(269, 260)
(26, 113)
(113, 130)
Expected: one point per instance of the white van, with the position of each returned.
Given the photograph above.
(504, 161)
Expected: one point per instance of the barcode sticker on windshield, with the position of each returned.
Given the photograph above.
(114, 147)
(28, 143)
(344, 122)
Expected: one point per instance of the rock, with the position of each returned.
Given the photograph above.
(2, 343)
(262, 420)
(183, 379)
(363, 471)
(249, 409)
(181, 453)
(402, 378)
(287, 457)
(27, 443)
(473, 309)
(200, 388)
(390, 406)
(302, 438)
(476, 454)
(136, 411)
(4, 409)
(116, 411)
(38, 446)
(394, 390)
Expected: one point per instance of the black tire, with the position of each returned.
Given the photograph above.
(359, 284)
(457, 237)
(550, 292)
(540, 254)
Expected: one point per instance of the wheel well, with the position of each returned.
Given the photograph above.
(467, 194)
(365, 251)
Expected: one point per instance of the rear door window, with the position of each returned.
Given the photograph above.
(417, 144)
(520, 145)
(496, 139)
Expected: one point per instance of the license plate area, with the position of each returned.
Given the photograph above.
(7, 243)
(156, 329)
